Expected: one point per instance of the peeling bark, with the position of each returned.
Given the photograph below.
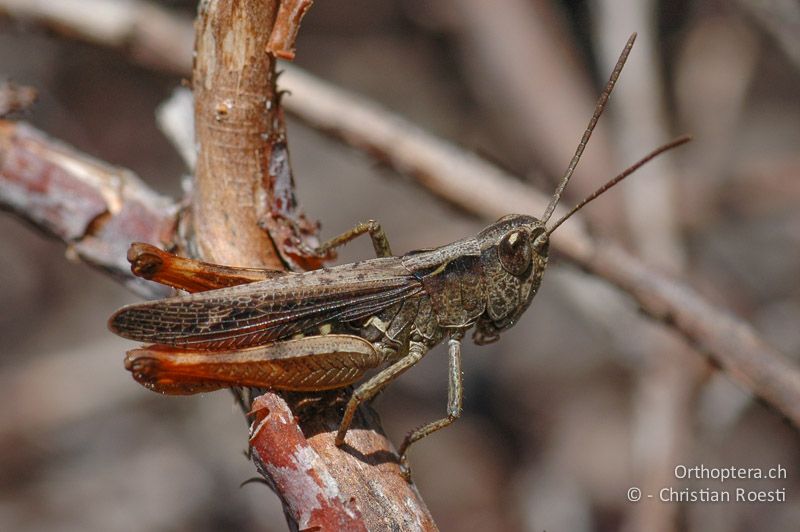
(309, 493)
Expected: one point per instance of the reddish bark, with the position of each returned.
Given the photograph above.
(95, 208)
(299, 475)
(284, 33)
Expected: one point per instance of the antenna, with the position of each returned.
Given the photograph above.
(598, 110)
(628, 171)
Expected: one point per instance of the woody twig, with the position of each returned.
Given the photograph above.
(242, 212)
(450, 173)
(245, 213)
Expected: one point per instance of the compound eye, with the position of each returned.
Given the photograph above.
(515, 252)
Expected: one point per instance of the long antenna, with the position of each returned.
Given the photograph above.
(628, 171)
(598, 110)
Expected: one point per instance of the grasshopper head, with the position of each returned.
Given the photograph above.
(514, 256)
(514, 249)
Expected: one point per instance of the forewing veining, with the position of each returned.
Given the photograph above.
(267, 311)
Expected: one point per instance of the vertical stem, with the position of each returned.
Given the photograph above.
(245, 214)
(236, 121)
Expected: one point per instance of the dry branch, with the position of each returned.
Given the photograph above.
(235, 103)
(666, 383)
(246, 214)
(243, 176)
(283, 455)
(475, 185)
(244, 184)
(95, 208)
(64, 193)
(479, 187)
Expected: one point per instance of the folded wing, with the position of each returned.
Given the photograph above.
(267, 311)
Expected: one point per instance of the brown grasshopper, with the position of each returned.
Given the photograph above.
(323, 329)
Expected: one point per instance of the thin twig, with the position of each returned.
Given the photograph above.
(284, 33)
(669, 375)
(475, 185)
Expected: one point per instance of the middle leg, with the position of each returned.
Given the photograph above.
(455, 396)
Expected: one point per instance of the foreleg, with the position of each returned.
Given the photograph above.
(379, 240)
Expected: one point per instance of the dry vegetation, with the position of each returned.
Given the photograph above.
(581, 401)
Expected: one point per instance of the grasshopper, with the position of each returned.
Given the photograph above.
(323, 329)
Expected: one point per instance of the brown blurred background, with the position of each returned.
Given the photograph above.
(581, 401)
